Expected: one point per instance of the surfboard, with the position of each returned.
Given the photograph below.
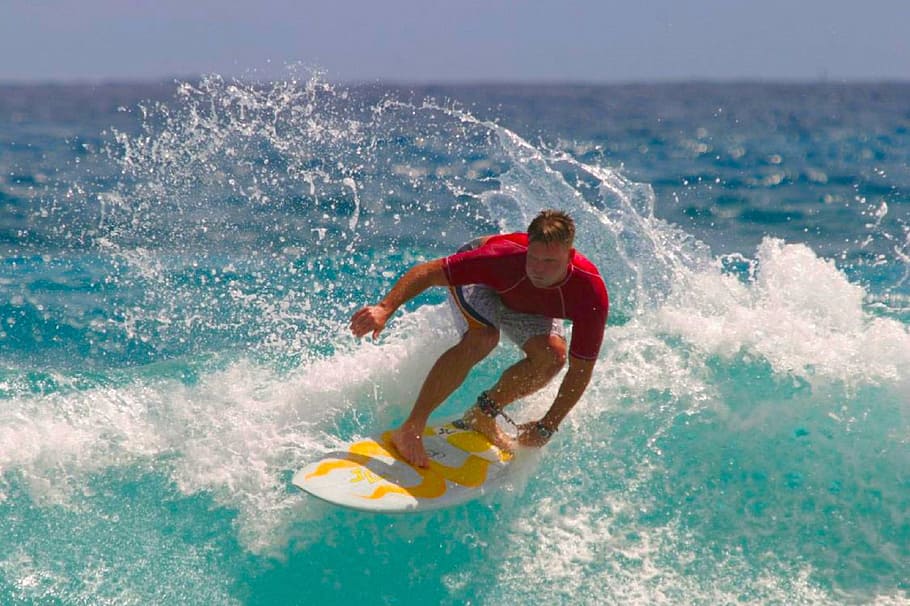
(370, 475)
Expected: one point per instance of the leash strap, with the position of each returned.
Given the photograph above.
(489, 408)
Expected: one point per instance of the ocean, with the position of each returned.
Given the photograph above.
(179, 261)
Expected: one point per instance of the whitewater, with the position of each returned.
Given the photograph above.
(179, 263)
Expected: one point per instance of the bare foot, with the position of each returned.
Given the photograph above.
(408, 441)
(487, 426)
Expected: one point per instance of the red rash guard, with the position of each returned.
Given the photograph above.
(500, 264)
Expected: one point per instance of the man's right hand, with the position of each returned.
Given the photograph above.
(416, 280)
(370, 318)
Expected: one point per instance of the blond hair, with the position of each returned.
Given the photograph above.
(552, 226)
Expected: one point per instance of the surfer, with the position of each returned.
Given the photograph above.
(521, 284)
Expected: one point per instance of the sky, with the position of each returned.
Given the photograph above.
(431, 41)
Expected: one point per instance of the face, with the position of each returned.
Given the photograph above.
(547, 263)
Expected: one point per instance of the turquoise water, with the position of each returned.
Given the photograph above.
(179, 263)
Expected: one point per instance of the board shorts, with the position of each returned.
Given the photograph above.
(478, 306)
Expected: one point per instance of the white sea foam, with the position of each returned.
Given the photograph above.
(799, 312)
(235, 434)
(569, 549)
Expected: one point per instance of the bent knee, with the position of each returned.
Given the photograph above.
(548, 353)
(557, 350)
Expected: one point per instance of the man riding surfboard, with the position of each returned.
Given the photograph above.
(521, 284)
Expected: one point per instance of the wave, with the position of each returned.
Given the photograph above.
(742, 438)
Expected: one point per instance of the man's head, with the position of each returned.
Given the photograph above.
(550, 238)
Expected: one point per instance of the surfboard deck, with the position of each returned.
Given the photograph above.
(370, 475)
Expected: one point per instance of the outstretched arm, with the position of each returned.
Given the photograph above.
(573, 385)
(412, 283)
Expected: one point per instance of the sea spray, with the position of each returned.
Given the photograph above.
(743, 437)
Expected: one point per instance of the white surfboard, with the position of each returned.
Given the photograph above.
(370, 475)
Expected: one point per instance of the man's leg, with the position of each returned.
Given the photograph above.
(447, 374)
(546, 355)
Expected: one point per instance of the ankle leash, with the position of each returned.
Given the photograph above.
(490, 409)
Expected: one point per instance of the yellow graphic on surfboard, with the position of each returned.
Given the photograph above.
(370, 475)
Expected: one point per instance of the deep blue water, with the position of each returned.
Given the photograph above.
(178, 263)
